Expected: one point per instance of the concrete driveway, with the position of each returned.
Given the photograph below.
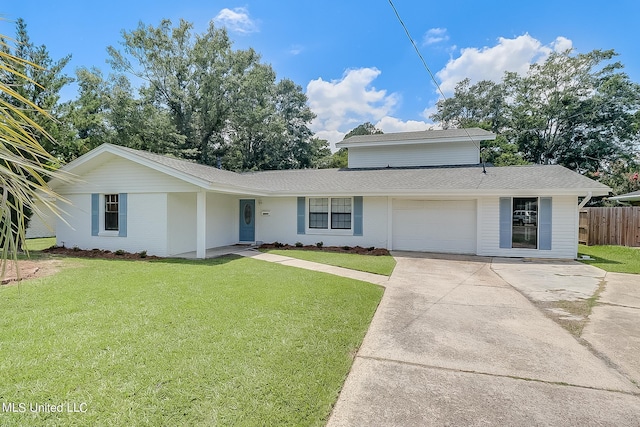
(453, 343)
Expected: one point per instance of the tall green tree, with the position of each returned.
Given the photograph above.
(482, 103)
(225, 104)
(577, 110)
(39, 80)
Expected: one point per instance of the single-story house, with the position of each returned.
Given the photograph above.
(418, 191)
(632, 198)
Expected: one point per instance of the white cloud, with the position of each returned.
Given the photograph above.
(340, 105)
(435, 35)
(296, 49)
(236, 20)
(390, 124)
(490, 63)
(561, 44)
(332, 136)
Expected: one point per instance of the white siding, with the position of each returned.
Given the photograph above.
(564, 242)
(43, 222)
(222, 220)
(460, 153)
(120, 175)
(146, 225)
(281, 224)
(181, 223)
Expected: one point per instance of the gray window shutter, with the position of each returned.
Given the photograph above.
(357, 216)
(301, 214)
(544, 223)
(505, 222)
(122, 214)
(95, 214)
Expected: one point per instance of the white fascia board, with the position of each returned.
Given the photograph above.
(243, 191)
(474, 138)
(467, 193)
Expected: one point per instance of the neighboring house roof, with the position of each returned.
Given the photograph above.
(421, 137)
(628, 197)
(444, 181)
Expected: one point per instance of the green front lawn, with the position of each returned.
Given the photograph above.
(371, 264)
(40, 243)
(619, 259)
(230, 341)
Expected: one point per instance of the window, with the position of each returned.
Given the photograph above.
(524, 223)
(340, 218)
(111, 212)
(341, 214)
(318, 213)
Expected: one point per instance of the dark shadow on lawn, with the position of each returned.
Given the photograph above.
(209, 261)
(598, 260)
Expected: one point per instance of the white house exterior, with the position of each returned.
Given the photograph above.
(133, 200)
(43, 222)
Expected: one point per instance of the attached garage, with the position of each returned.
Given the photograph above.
(434, 225)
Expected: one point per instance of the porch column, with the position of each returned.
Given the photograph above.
(201, 225)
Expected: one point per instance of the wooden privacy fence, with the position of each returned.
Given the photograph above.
(610, 226)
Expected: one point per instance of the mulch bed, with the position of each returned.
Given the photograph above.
(99, 253)
(96, 253)
(341, 249)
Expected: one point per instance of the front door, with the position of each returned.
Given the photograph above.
(247, 220)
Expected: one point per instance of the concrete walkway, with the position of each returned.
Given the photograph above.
(308, 265)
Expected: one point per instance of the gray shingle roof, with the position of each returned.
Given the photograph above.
(476, 134)
(425, 180)
(387, 181)
(196, 170)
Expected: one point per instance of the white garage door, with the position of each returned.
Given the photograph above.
(435, 226)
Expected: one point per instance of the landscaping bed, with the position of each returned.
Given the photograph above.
(97, 253)
(339, 249)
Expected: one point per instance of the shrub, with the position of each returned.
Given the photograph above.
(320, 244)
(119, 252)
(346, 248)
(299, 244)
(142, 254)
(278, 244)
(75, 248)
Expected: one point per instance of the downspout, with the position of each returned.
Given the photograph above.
(585, 201)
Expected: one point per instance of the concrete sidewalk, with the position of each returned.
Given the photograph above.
(454, 344)
(308, 265)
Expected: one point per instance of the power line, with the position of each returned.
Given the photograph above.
(424, 63)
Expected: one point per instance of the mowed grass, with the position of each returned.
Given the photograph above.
(618, 259)
(371, 264)
(231, 341)
(40, 243)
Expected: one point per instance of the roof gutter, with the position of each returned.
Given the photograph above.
(585, 200)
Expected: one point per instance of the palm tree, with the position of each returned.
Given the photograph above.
(24, 164)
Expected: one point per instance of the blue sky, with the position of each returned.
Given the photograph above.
(352, 58)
